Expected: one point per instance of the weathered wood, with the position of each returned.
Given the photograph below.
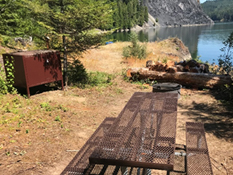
(184, 78)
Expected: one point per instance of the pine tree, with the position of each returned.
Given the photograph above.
(68, 23)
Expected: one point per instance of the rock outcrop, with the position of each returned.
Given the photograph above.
(177, 12)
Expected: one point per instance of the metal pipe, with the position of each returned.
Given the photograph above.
(180, 154)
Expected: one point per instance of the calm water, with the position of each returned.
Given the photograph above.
(203, 41)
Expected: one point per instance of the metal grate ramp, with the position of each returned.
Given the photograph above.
(198, 161)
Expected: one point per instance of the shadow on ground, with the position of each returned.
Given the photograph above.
(217, 116)
(40, 89)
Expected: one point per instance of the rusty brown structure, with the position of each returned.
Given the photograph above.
(33, 68)
(143, 135)
(198, 161)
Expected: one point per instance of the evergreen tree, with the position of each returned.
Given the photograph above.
(68, 22)
(146, 14)
(219, 10)
(130, 13)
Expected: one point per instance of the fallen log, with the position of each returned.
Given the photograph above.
(197, 80)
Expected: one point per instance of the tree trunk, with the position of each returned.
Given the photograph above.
(65, 78)
(196, 80)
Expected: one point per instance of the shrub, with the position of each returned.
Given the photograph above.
(126, 52)
(3, 83)
(7, 81)
(225, 60)
(77, 74)
(225, 66)
(136, 50)
(99, 79)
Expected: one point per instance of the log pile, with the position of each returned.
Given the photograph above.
(183, 66)
(188, 73)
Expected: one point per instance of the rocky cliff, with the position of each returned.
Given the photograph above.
(177, 12)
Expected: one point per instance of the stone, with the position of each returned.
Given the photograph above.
(177, 13)
(179, 68)
(194, 70)
(193, 63)
(149, 63)
(204, 68)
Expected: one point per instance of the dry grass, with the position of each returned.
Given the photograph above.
(109, 58)
(36, 140)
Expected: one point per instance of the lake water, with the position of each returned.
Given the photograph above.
(203, 41)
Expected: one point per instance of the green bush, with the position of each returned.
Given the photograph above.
(225, 60)
(99, 79)
(77, 74)
(136, 50)
(225, 67)
(3, 83)
(7, 81)
(126, 52)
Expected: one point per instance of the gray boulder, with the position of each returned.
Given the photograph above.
(177, 12)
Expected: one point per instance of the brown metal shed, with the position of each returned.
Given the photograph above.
(33, 68)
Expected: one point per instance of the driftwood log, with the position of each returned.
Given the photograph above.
(197, 80)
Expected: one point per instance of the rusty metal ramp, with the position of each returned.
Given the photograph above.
(143, 135)
(198, 161)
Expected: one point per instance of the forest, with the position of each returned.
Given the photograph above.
(34, 17)
(219, 10)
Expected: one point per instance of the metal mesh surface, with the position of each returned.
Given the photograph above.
(80, 163)
(198, 161)
(114, 170)
(143, 135)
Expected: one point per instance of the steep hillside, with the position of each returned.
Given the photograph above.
(177, 12)
(219, 10)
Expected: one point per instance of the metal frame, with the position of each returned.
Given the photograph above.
(198, 161)
(143, 135)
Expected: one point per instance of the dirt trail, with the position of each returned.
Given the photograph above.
(76, 113)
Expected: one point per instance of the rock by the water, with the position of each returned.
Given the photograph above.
(177, 12)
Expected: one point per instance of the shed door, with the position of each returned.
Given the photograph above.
(34, 70)
(52, 67)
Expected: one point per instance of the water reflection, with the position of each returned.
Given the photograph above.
(205, 41)
(189, 35)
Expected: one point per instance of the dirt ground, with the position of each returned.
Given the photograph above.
(42, 134)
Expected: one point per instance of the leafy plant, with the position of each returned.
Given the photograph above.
(8, 153)
(165, 60)
(77, 74)
(225, 67)
(64, 109)
(95, 79)
(3, 83)
(136, 50)
(225, 60)
(7, 80)
(57, 118)
(46, 106)
(99, 79)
